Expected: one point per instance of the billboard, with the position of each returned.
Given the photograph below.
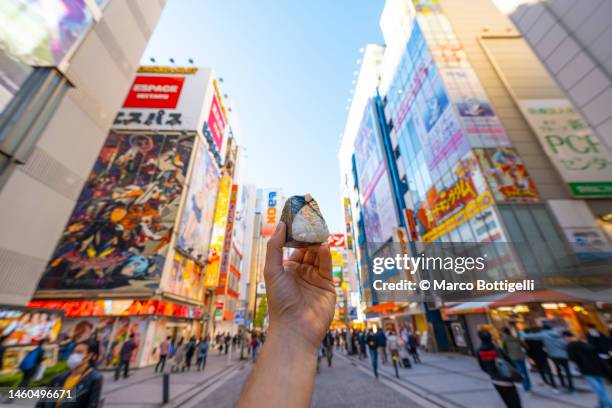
(577, 153)
(117, 236)
(229, 230)
(506, 175)
(185, 278)
(42, 32)
(336, 240)
(216, 122)
(272, 208)
(379, 213)
(165, 98)
(19, 327)
(217, 239)
(199, 209)
(368, 152)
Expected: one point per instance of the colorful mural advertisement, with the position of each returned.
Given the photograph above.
(185, 278)
(213, 264)
(229, 230)
(117, 236)
(42, 33)
(368, 153)
(506, 175)
(379, 216)
(199, 209)
(579, 156)
(451, 202)
(18, 327)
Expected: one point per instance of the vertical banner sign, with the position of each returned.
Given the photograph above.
(580, 158)
(271, 213)
(216, 122)
(218, 234)
(229, 228)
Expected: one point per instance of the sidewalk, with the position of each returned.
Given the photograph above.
(143, 388)
(455, 380)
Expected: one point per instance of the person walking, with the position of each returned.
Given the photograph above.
(372, 342)
(328, 347)
(361, 338)
(490, 359)
(513, 347)
(584, 355)
(393, 347)
(82, 380)
(535, 351)
(164, 349)
(178, 360)
(602, 345)
(125, 355)
(31, 363)
(381, 340)
(190, 349)
(556, 349)
(254, 346)
(413, 347)
(203, 347)
(227, 340)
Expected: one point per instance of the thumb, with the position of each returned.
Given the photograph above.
(274, 250)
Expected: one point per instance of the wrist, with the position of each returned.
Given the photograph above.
(293, 339)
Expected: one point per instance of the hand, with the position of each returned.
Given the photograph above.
(301, 294)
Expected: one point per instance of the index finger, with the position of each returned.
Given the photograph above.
(325, 262)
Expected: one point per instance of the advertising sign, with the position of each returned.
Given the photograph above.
(216, 122)
(271, 211)
(579, 156)
(217, 239)
(42, 33)
(199, 208)
(18, 327)
(506, 175)
(166, 98)
(380, 216)
(368, 153)
(185, 278)
(229, 230)
(117, 236)
(336, 240)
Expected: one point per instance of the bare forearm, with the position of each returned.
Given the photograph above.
(283, 375)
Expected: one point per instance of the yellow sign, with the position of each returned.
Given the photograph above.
(217, 239)
(471, 209)
(168, 70)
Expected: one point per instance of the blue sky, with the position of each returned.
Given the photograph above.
(287, 68)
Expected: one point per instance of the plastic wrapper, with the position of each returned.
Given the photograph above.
(305, 223)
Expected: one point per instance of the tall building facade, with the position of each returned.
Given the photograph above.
(463, 142)
(59, 93)
(572, 39)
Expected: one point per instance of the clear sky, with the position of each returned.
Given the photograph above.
(287, 68)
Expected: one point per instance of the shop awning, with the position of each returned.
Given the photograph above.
(469, 307)
(387, 307)
(538, 296)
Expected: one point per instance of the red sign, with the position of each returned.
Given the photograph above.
(336, 240)
(216, 122)
(154, 92)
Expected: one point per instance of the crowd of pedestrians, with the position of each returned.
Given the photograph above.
(545, 347)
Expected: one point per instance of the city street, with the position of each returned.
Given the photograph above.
(443, 380)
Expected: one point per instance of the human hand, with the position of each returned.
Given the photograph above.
(301, 294)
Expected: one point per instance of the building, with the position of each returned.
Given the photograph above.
(454, 147)
(58, 98)
(150, 238)
(572, 40)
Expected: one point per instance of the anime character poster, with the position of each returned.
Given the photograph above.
(199, 211)
(86, 328)
(24, 328)
(185, 278)
(117, 236)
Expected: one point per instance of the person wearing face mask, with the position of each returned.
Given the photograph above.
(82, 379)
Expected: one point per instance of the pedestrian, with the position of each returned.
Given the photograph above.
(513, 347)
(203, 347)
(328, 347)
(178, 360)
(491, 360)
(32, 363)
(164, 349)
(556, 349)
(413, 347)
(393, 347)
(584, 355)
(227, 340)
(254, 346)
(381, 340)
(362, 345)
(535, 351)
(602, 345)
(82, 380)
(372, 342)
(125, 356)
(190, 349)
